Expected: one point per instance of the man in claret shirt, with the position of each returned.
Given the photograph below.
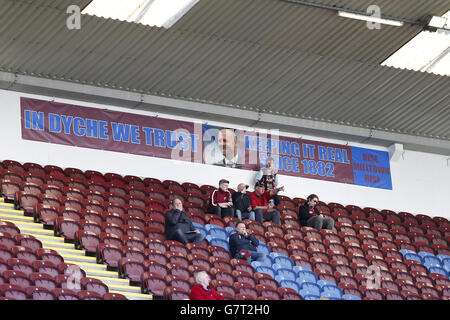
(309, 215)
(221, 202)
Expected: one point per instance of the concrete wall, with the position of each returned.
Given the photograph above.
(421, 181)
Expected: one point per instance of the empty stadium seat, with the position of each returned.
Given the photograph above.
(306, 276)
(43, 280)
(39, 293)
(13, 291)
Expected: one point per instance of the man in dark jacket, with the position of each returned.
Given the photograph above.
(310, 216)
(179, 226)
(242, 203)
(244, 246)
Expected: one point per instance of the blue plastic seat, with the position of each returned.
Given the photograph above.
(297, 269)
(276, 266)
(323, 283)
(442, 257)
(331, 291)
(218, 242)
(350, 297)
(289, 284)
(256, 264)
(312, 286)
(198, 225)
(286, 273)
(310, 296)
(412, 256)
(264, 248)
(230, 230)
(306, 276)
(281, 277)
(277, 254)
(267, 270)
(431, 261)
(283, 260)
(218, 233)
(200, 228)
(212, 226)
(438, 270)
(446, 264)
(424, 254)
(309, 288)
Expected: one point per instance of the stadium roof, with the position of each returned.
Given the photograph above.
(275, 59)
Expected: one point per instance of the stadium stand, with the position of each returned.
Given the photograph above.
(107, 231)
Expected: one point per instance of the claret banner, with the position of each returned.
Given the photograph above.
(74, 125)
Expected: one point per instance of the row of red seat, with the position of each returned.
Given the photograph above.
(28, 271)
(366, 227)
(286, 202)
(14, 292)
(49, 282)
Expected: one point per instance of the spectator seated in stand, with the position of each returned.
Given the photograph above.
(309, 215)
(221, 203)
(244, 246)
(202, 290)
(179, 226)
(242, 203)
(263, 204)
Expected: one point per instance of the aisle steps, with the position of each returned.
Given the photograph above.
(69, 253)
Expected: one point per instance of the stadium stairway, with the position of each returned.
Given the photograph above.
(69, 253)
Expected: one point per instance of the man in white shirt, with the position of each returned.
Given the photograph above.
(225, 152)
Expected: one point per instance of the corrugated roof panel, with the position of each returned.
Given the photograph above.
(406, 9)
(289, 25)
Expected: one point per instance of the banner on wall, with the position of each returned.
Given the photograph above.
(80, 126)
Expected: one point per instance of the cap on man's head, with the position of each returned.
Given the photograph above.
(259, 184)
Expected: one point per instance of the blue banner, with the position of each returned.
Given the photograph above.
(371, 168)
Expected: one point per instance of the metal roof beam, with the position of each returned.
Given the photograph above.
(324, 6)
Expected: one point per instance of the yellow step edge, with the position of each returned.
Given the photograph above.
(106, 273)
(86, 258)
(54, 243)
(12, 210)
(111, 274)
(125, 281)
(2, 214)
(92, 265)
(52, 237)
(31, 224)
(122, 287)
(86, 264)
(31, 230)
(61, 250)
(130, 294)
(6, 204)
